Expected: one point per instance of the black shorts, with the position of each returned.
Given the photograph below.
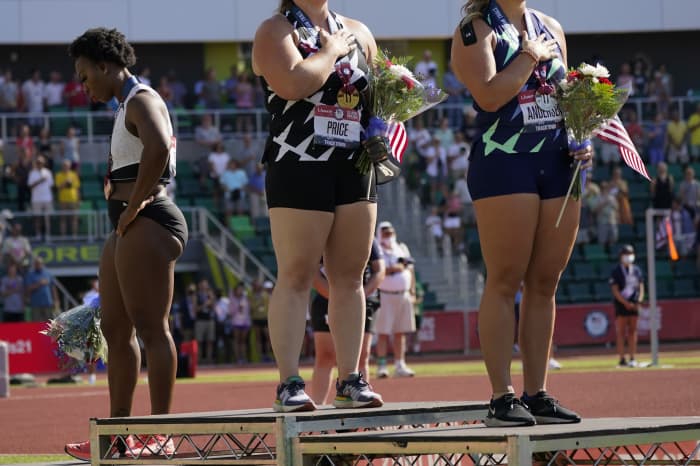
(319, 315)
(318, 186)
(622, 311)
(162, 211)
(545, 173)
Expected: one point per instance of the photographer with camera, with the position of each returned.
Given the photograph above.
(397, 293)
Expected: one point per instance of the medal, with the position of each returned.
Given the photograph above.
(348, 97)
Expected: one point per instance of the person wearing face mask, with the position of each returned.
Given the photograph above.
(627, 283)
(397, 293)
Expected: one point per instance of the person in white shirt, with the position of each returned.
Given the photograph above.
(33, 93)
(40, 182)
(426, 68)
(434, 224)
(396, 296)
(436, 167)
(53, 91)
(224, 327)
(419, 136)
(218, 160)
(458, 156)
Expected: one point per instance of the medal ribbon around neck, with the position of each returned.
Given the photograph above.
(540, 71)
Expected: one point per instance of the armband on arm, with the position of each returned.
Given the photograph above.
(466, 29)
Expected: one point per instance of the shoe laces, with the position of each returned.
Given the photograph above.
(510, 400)
(294, 386)
(359, 384)
(546, 398)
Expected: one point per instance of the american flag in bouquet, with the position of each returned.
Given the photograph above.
(398, 139)
(615, 133)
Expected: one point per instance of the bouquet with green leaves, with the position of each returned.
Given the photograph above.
(395, 96)
(587, 99)
(78, 336)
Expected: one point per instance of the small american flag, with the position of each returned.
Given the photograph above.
(398, 139)
(615, 133)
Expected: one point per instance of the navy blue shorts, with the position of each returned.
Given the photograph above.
(545, 173)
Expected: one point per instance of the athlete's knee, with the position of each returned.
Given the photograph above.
(152, 332)
(505, 280)
(542, 283)
(295, 277)
(118, 335)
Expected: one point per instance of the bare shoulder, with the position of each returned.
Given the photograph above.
(274, 26)
(551, 23)
(358, 28)
(145, 103)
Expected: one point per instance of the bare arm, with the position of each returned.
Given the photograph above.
(378, 273)
(474, 65)
(618, 296)
(276, 58)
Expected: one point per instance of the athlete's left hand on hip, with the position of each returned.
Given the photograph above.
(129, 215)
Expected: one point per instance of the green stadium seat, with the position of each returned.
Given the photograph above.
(206, 203)
(585, 271)
(86, 206)
(256, 245)
(92, 190)
(241, 226)
(626, 234)
(595, 252)
(685, 269)
(102, 168)
(87, 171)
(580, 292)
(664, 289)
(602, 291)
(685, 288)
(562, 297)
(262, 224)
(639, 191)
(663, 270)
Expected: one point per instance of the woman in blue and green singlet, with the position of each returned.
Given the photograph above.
(510, 57)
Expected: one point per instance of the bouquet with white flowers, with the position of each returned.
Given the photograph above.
(78, 336)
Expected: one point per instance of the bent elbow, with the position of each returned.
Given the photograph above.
(491, 104)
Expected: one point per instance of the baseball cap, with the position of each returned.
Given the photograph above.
(385, 224)
(626, 249)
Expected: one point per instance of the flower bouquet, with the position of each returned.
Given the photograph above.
(588, 99)
(395, 96)
(78, 336)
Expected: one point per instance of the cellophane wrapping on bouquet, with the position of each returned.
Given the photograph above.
(78, 335)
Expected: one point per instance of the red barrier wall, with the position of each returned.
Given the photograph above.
(576, 325)
(30, 351)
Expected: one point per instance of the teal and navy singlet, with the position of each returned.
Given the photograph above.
(314, 142)
(522, 147)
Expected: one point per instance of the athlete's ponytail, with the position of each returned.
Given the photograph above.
(474, 9)
(285, 5)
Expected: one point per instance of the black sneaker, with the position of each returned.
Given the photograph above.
(508, 411)
(622, 363)
(547, 410)
(356, 393)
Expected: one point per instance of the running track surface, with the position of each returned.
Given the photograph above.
(42, 420)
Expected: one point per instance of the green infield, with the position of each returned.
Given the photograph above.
(30, 459)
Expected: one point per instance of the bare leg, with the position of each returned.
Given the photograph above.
(507, 256)
(299, 237)
(364, 355)
(550, 255)
(399, 347)
(145, 262)
(620, 327)
(632, 335)
(353, 229)
(324, 362)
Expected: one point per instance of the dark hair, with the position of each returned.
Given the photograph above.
(285, 5)
(103, 45)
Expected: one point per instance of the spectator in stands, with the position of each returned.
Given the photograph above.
(204, 325)
(211, 92)
(20, 173)
(458, 156)
(166, 92)
(224, 330)
(68, 186)
(689, 191)
(620, 189)
(462, 189)
(230, 84)
(663, 188)
(189, 313)
(426, 67)
(586, 229)
(16, 248)
(627, 284)
(259, 299)
(445, 134)
(41, 291)
(510, 194)
(605, 208)
(659, 93)
(33, 95)
(434, 224)
(74, 94)
(313, 212)
(25, 141)
(257, 201)
(455, 97)
(40, 181)
(218, 161)
(45, 147)
(12, 291)
(694, 134)
(233, 182)
(247, 153)
(144, 76)
(683, 228)
(677, 136)
(206, 134)
(634, 129)
(656, 137)
(70, 148)
(419, 137)
(9, 95)
(178, 88)
(641, 79)
(325, 357)
(625, 79)
(53, 91)
(435, 168)
(397, 293)
(452, 224)
(245, 100)
(239, 309)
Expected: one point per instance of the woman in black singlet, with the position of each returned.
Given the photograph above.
(138, 260)
(313, 64)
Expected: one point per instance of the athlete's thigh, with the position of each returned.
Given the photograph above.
(145, 263)
(507, 226)
(350, 240)
(553, 245)
(115, 320)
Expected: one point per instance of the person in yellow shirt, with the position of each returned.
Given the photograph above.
(694, 134)
(676, 133)
(68, 185)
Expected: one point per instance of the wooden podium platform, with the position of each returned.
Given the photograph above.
(671, 440)
(262, 436)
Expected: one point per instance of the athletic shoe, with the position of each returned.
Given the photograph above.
(622, 363)
(554, 364)
(162, 445)
(79, 451)
(132, 447)
(547, 410)
(356, 393)
(632, 363)
(508, 411)
(403, 371)
(292, 397)
(382, 372)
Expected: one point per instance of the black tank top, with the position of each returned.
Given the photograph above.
(292, 121)
(663, 195)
